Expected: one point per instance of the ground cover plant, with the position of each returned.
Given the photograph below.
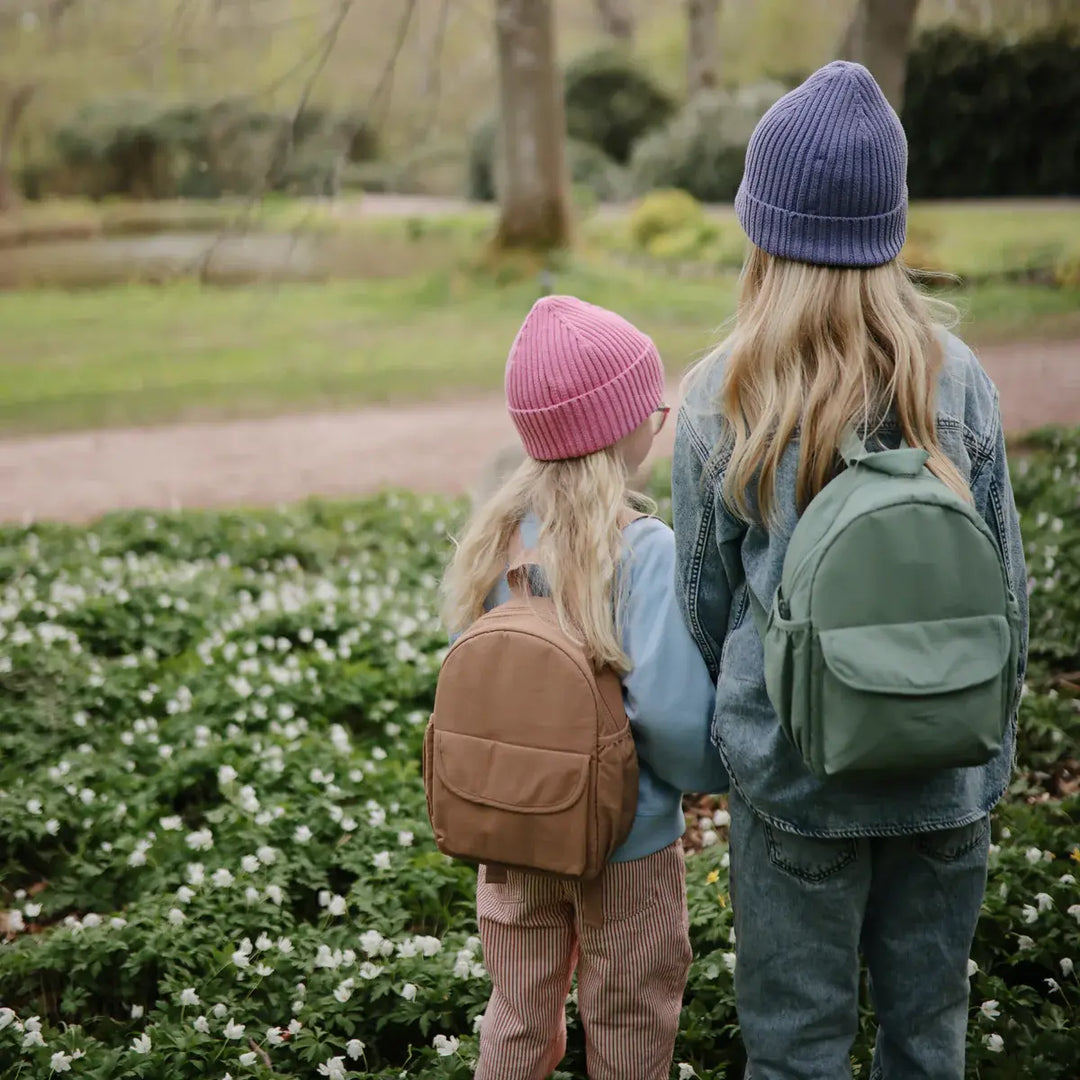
(215, 859)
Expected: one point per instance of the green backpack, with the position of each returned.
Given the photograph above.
(893, 641)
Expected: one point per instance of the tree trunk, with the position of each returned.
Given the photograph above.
(17, 103)
(702, 45)
(533, 195)
(616, 19)
(879, 37)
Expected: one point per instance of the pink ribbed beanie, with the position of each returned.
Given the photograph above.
(579, 378)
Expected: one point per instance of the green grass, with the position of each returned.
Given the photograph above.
(132, 355)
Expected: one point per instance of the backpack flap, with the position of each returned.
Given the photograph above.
(889, 696)
(493, 801)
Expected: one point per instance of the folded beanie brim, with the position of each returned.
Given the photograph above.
(822, 240)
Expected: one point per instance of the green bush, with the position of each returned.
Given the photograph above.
(611, 103)
(144, 148)
(992, 117)
(664, 212)
(702, 150)
(215, 849)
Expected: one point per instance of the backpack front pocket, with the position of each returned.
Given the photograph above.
(515, 805)
(909, 696)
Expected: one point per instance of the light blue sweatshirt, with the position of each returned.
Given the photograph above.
(668, 693)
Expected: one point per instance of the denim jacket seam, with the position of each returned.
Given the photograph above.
(694, 584)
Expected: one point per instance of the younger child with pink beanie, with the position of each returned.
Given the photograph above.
(585, 390)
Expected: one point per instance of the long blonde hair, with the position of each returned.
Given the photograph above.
(581, 506)
(813, 349)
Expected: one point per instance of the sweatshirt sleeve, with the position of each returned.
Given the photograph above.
(668, 692)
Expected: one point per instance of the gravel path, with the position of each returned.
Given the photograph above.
(430, 447)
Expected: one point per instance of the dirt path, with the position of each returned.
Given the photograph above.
(433, 447)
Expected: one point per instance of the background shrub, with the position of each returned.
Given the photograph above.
(145, 148)
(989, 117)
(611, 102)
(703, 148)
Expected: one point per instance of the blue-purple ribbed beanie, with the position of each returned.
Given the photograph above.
(826, 173)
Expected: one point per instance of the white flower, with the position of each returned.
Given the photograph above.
(1066, 965)
(381, 860)
(184, 895)
(1029, 913)
(349, 824)
(990, 1009)
(285, 945)
(274, 894)
(371, 941)
(354, 1048)
(137, 1012)
(251, 895)
(264, 971)
(141, 1044)
(226, 774)
(233, 1030)
(267, 855)
(368, 970)
(445, 1047)
(32, 1038)
(201, 1024)
(302, 834)
(708, 839)
(172, 824)
(729, 961)
(248, 1059)
(432, 946)
(994, 1043)
(263, 942)
(137, 858)
(188, 996)
(334, 1068)
(408, 992)
(294, 1026)
(33, 806)
(6, 1017)
(337, 905)
(274, 1036)
(176, 916)
(686, 1070)
(241, 959)
(60, 1062)
(200, 840)
(721, 819)
(1053, 986)
(52, 826)
(196, 873)
(15, 921)
(249, 864)
(219, 1010)
(972, 968)
(1043, 901)
(1067, 879)
(405, 838)
(1033, 855)
(222, 877)
(1074, 911)
(1024, 942)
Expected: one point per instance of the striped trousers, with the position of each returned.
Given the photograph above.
(631, 971)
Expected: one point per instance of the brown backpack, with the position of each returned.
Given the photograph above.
(529, 761)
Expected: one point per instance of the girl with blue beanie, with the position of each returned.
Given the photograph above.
(830, 333)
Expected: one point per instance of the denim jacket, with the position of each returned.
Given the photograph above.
(720, 556)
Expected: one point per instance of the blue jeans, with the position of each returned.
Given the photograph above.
(805, 907)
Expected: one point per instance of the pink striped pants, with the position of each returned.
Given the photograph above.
(631, 971)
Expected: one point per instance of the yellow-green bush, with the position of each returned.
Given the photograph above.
(663, 212)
